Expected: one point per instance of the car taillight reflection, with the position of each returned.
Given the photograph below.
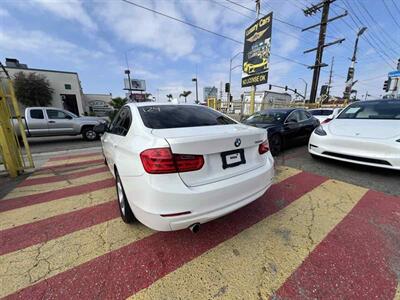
(162, 161)
(327, 121)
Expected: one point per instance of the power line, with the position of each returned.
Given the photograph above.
(250, 17)
(395, 5)
(388, 62)
(373, 27)
(181, 21)
(390, 13)
(203, 29)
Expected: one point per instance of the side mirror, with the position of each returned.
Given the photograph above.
(101, 128)
(68, 117)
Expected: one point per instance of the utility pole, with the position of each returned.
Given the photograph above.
(197, 92)
(305, 88)
(321, 41)
(253, 88)
(350, 73)
(330, 77)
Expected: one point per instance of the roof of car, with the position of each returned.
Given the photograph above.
(140, 104)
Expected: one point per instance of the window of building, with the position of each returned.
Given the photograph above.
(37, 114)
(67, 86)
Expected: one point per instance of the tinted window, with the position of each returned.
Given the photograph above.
(37, 114)
(175, 116)
(57, 114)
(122, 122)
(308, 114)
(267, 117)
(294, 117)
(303, 115)
(315, 112)
(383, 110)
(327, 112)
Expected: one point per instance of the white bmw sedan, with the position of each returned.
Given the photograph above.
(366, 132)
(177, 166)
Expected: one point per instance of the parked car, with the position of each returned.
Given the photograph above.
(366, 132)
(50, 121)
(285, 126)
(325, 115)
(177, 166)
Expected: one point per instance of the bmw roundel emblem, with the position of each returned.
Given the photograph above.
(238, 142)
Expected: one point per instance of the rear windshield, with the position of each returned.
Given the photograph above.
(175, 116)
(380, 110)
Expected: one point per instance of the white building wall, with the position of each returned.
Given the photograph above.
(57, 80)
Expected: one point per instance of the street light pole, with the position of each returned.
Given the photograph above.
(350, 72)
(197, 93)
(230, 73)
(128, 72)
(305, 88)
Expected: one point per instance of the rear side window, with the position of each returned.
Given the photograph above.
(36, 114)
(122, 122)
(175, 116)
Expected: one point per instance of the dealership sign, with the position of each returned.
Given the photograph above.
(257, 46)
(136, 85)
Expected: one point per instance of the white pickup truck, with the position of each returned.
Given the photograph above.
(50, 121)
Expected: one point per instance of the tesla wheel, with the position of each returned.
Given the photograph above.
(124, 208)
(89, 134)
(275, 144)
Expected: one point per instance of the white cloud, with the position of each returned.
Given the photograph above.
(72, 10)
(43, 45)
(136, 26)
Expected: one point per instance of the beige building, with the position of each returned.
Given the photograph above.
(67, 90)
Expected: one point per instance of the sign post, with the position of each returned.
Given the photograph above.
(256, 52)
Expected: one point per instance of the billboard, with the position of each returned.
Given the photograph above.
(136, 85)
(256, 51)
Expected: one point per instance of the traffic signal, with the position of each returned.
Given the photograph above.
(286, 88)
(270, 86)
(386, 85)
(230, 98)
(295, 91)
(227, 87)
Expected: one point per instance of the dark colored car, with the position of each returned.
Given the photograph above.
(286, 126)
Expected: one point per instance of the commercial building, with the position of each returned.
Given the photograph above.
(265, 99)
(67, 89)
(209, 92)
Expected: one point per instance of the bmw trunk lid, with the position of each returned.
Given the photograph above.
(228, 150)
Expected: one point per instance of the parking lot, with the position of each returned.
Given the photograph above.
(323, 230)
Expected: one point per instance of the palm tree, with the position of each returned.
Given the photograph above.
(185, 94)
(169, 96)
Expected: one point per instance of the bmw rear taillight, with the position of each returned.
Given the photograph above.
(327, 121)
(162, 161)
(263, 147)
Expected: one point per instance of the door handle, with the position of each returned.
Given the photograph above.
(51, 122)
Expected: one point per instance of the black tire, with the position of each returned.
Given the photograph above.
(89, 134)
(275, 144)
(125, 210)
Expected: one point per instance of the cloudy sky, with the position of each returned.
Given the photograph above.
(93, 38)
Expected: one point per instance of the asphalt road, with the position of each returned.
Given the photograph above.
(378, 179)
(59, 143)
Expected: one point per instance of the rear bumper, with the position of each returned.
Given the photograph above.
(367, 152)
(149, 200)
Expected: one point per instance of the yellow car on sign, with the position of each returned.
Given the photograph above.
(251, 68)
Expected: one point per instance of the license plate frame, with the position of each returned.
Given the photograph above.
(225, 154)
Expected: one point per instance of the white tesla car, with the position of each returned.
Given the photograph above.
(366, 133)
(177, 166)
